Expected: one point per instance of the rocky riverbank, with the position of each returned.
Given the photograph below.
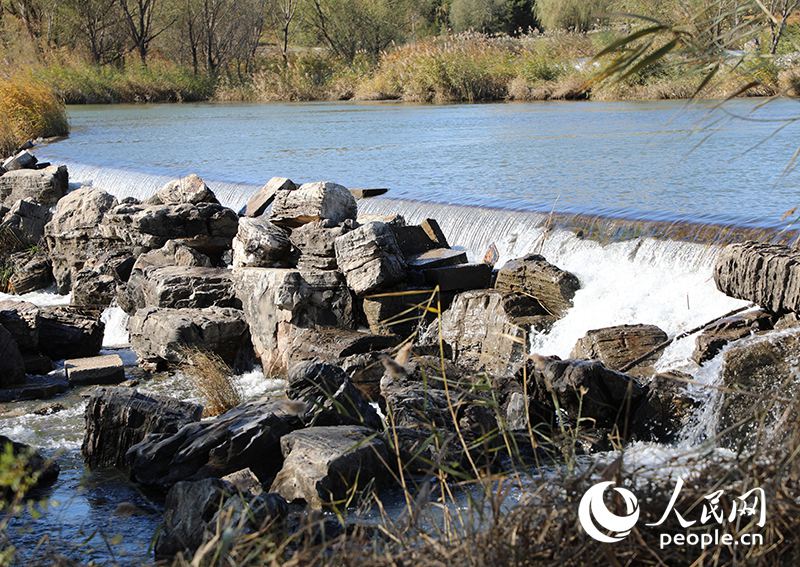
(402, 359)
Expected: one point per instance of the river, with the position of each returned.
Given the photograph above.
(490, 174)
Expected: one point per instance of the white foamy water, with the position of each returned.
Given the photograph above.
(116, 332)
(43, 297)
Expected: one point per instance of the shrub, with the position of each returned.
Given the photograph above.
(28, 109)
(213, 379)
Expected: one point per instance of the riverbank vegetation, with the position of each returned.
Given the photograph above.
(101, 51)
(28, 109)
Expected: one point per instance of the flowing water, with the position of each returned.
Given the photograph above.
(624, 195)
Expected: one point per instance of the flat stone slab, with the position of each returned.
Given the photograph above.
(367, 192)
(107, 369)
(438, 258)
(35, 388)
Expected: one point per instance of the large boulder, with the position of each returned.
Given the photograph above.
(617, 347)
(312, 202)
(206, 227)
(68, 332)
(95, 284)
(586, 390)
(329, 396)
(246, 436)
(173, 253)
(760, 378)
(72, 235)
(553, 287)
(486, 330)
(178, 287)
(277, 302)
(118, 418)
(161, 336)
(190, 189)
(12, 365)
(710, 342)
(329, 344)
(327, 465)
(370, 258)
(44, 186)
(401, 313)
(766, 274)
(259, 243)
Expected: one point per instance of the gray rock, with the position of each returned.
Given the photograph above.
(21, 160)
(367, 192)
(261, 244)
(25, 221)
(326, 465)
(173, 253)
(178, 287)
(12, 366)
(67, 332)
(72, 235)
(194, 510)
(329, 396)
(35, 388)
(245, 436)
(365, 371)
(312, 202)
(107, 369)
(710, 342)
(44, 186)
(328, 344)
(553, 287)
(277, 302)
(758, 408)
(315, 243)
(437, 258)
(766, 274)
(462, 277)
(486, 330)
(414, 239)
(666, 408)
(41, 470)
(370, 258)
(29, 270)
(21, 319)
(118, 418)
(160, 336)
(206, 227)
(616, 347)
(586, 390)
(190, 189)
(263, 198)
(95, 284)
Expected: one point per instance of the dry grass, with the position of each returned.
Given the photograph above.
(28, 109)
(213, 379)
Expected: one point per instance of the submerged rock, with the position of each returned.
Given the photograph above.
(247, 436)
(532, 275)
(328, 465)
(617, 347)
(118, 418)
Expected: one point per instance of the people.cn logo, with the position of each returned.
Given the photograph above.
(594, 514)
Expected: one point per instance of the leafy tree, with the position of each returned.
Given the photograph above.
(574, 15)
(98, 25)
(492, 16)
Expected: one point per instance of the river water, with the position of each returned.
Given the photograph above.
(631, 176)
